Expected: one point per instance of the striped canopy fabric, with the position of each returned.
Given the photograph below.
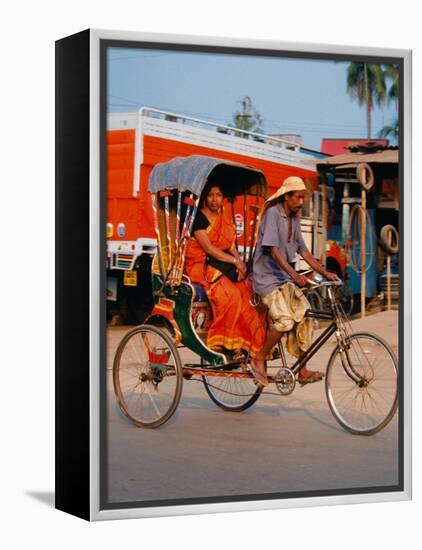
(191, 174)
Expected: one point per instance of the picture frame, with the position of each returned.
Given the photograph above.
(82, 425)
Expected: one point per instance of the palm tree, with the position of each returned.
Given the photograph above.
(366, 82)
(390, 131)
(391, 73)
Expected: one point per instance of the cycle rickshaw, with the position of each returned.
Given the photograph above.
(361, 379)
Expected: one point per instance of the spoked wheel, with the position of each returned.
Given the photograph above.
(362, 384)
(232, 393)
(147, 376)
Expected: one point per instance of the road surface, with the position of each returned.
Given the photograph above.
(279, 445)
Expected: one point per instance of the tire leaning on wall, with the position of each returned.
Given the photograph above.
(365, 176)
(389, 239)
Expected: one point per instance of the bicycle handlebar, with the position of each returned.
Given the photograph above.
(324, 282)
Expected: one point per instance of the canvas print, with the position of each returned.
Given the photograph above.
(252, 275)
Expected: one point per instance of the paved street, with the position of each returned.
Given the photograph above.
(281, 444)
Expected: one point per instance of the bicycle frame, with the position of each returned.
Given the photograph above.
(315, 346)
(333, 328)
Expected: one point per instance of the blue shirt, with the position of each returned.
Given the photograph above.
(274, 231)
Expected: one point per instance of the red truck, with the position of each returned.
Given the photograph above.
(136, 142)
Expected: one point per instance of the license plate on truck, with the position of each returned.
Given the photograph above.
(130, 278)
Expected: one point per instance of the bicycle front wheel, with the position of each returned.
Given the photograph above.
(361, 384)
(147, 376)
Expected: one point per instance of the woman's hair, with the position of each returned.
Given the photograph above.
(207, 188)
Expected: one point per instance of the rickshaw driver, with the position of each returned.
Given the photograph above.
(276, 281)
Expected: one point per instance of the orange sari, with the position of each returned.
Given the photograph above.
(236, 324)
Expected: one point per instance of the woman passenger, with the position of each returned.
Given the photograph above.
(236, 325)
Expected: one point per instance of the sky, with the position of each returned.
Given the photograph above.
(293, 96)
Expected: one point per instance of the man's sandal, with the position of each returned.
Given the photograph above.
(314, 376)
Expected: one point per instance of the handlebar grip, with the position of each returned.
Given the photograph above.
(311, 283)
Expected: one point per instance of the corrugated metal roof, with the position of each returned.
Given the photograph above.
(388, 156)
(339, 146)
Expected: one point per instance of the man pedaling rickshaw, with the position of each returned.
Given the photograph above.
(277, 282)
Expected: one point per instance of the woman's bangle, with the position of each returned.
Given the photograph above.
(234, 260)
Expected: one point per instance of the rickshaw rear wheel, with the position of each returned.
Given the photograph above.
(233, 394)
(147, 376)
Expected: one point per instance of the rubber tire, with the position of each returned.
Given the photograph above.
(179, 373)
(393, 409)
(238, 408)
(360, 170)
(384, 239)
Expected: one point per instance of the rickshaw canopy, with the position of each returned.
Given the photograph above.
(192, 173)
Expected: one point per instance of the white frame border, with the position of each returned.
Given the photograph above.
(95, 337)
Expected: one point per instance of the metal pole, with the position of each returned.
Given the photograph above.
(245, 227)
(174, 276)
(363, 255)
(345, 212)
(388, 282)
(234, 224)
(255, 210)
(324, 222)
(189, 201)
(168, 229)
(154, 200)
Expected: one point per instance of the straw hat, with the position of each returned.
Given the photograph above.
(292, 183)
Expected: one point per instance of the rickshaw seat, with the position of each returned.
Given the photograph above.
(200, 294)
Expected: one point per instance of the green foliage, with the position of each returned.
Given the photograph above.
(391, 73)
(372, 83)
(366, 82)
(390, 131)
(247, 117)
